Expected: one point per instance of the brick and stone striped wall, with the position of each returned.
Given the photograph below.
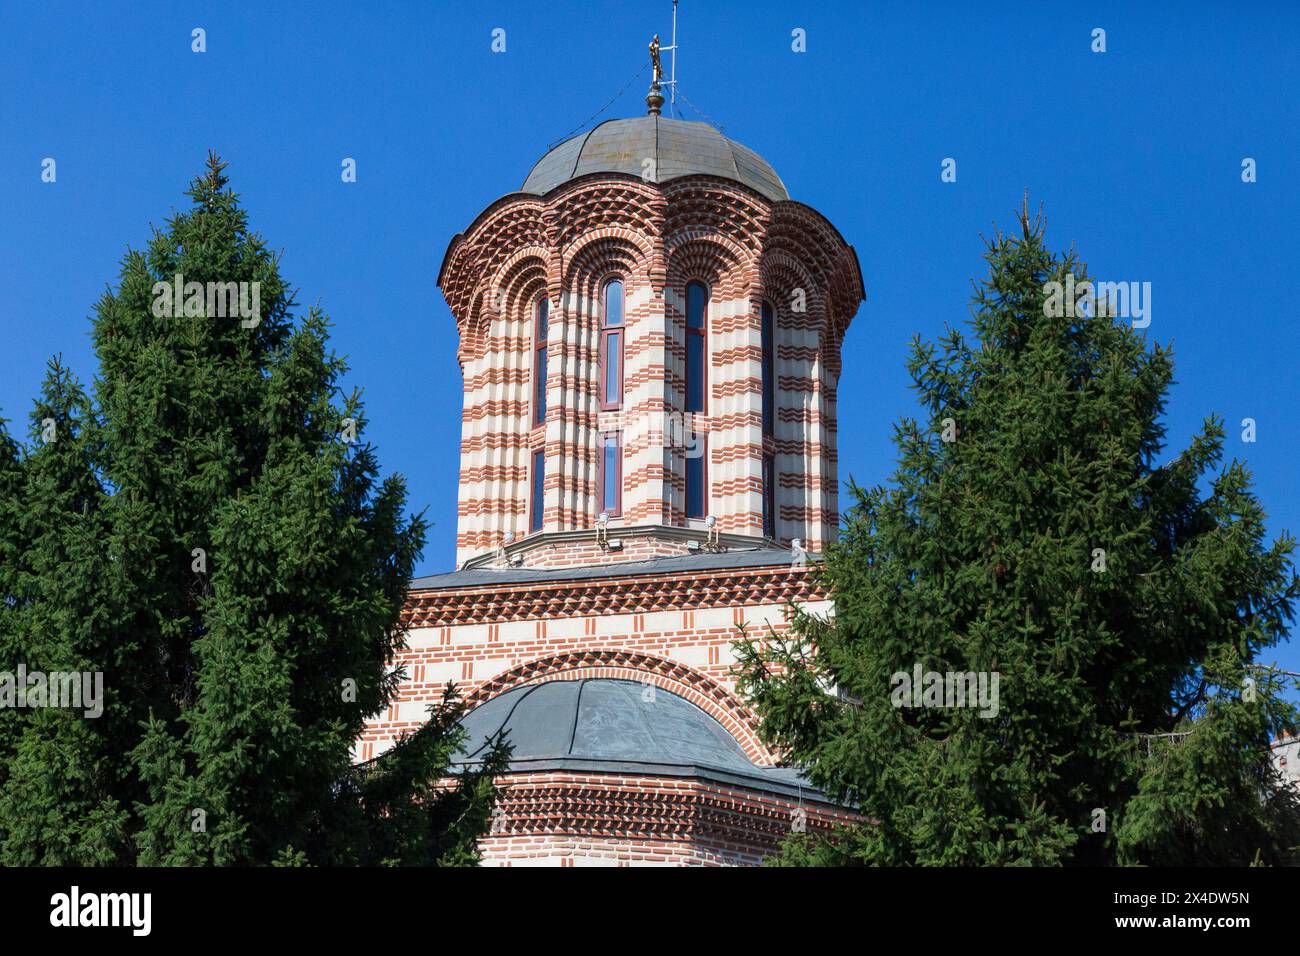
(673, 631)
(656, 238)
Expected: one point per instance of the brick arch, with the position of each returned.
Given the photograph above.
(780, 273)
(601, 250)
(517, 281)
(723, 267)
(689, 251)
(676, 678)
(489, 242)
(522, 262)
(714, 260)
(521, 288)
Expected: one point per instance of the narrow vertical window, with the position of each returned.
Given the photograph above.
(769, 372)
(697, 300)
(769, 497)
(611, 473)
(539, 360)
(697, 304)
(696, 499)
(538, 499)
(611, 347)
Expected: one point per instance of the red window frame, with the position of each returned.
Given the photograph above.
(614, 509)
(541, 316)
(608, 332)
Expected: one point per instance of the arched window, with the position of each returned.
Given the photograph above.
(697, 308)
(540, 314)
(611, 347)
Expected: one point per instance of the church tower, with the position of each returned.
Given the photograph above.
(649, 332)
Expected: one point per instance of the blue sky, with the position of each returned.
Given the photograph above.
(1136, 154)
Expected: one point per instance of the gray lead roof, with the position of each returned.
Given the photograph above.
(679, 148)
(617, 726)
(677, 564)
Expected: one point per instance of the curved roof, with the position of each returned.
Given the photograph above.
(679, 148)
(616, 725)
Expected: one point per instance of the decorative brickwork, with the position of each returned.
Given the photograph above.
(656, 238)
(674, 631)
(569, 819)
(729, 587)
(752, 466)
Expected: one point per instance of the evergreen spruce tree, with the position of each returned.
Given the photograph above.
(59, 798)
(1032, 530)
(212, 535)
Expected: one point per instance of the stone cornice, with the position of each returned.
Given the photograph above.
(633, 593)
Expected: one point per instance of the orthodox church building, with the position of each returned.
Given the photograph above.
(649, 333)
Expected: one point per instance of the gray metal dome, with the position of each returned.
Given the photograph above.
(615, 725)
(680, 148)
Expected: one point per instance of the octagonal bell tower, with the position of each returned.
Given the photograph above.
(650, 334)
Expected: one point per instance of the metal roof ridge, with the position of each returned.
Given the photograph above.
(505, 722)
(577, 157)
